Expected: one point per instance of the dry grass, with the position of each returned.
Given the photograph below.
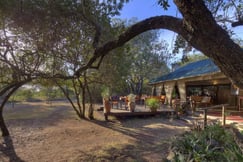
(44, 132)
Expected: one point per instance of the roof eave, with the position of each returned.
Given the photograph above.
(184, 78)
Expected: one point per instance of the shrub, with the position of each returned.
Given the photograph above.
(212, 144)
(153, 103)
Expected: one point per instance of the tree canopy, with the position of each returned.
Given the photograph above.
(63, 39)
(199, 26)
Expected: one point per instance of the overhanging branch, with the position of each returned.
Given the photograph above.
(238, 23)
(158, 22)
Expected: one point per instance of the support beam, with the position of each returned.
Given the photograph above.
(169, 86)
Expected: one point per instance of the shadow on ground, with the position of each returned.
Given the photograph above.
(152, 139)
(148, 139)
(7, 151)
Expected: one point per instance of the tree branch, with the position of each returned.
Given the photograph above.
(238, 23)
(198, 27)
(158, 22)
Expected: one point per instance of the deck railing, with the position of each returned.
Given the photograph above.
(205, 113)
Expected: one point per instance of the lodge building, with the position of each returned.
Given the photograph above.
(200, 78)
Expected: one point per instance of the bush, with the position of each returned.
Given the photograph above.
(153, 103)
(212, 144)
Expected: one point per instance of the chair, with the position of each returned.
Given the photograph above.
(162, 99)
(206, 100)
(198, 101)
(114, 101)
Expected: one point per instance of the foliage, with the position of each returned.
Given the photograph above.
(43, 93)
(131, 97)
(113, 71)
(191, 58)
(59, 38)
(22, 95)
(153, 103)
(148, 56)
(212, 144)
(179, 43)
(128, 69)
(79, 86)
(222, 10)
(105, 92)
(228, 14)
(49, 93)
(164, 4)
(62, 39)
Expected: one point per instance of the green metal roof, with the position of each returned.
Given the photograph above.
(193, 69)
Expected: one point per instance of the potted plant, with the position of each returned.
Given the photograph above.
(106, 103)
(131, 102)
(153, 104)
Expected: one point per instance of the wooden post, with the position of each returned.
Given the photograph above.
(176, 110)
(205, 118)
(106, 116)
(223, 115)
(176, 104)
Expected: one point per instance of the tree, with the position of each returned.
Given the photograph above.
(51, 25)
(113, 71)
(148, 57)
(16, 69)
(57, 40)
(79, 86)
(127, 69)
(190, 58)
(198, 27)
(227, 14)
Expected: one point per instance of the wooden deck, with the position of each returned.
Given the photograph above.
(140, 111)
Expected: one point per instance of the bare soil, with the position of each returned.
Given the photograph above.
(42, 132)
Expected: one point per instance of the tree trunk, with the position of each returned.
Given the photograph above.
(83, 102)
(3, 126)
(206, 35)
(91, 112)
(9, 90)
(91, 109)
(65, 92)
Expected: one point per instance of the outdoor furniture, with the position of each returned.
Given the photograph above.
(123, 101)
(137, 99)
(200, 101)
(240, 98)
(115, 101)
(162, 99)
(142, 99)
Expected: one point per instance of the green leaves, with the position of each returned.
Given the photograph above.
(227, 13)
(164, 4)
(212, 144)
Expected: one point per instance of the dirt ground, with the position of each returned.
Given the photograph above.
(42, 132)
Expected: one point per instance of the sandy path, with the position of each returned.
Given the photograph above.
(58, 136)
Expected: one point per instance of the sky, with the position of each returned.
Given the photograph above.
(143, 9)
(146, 8)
